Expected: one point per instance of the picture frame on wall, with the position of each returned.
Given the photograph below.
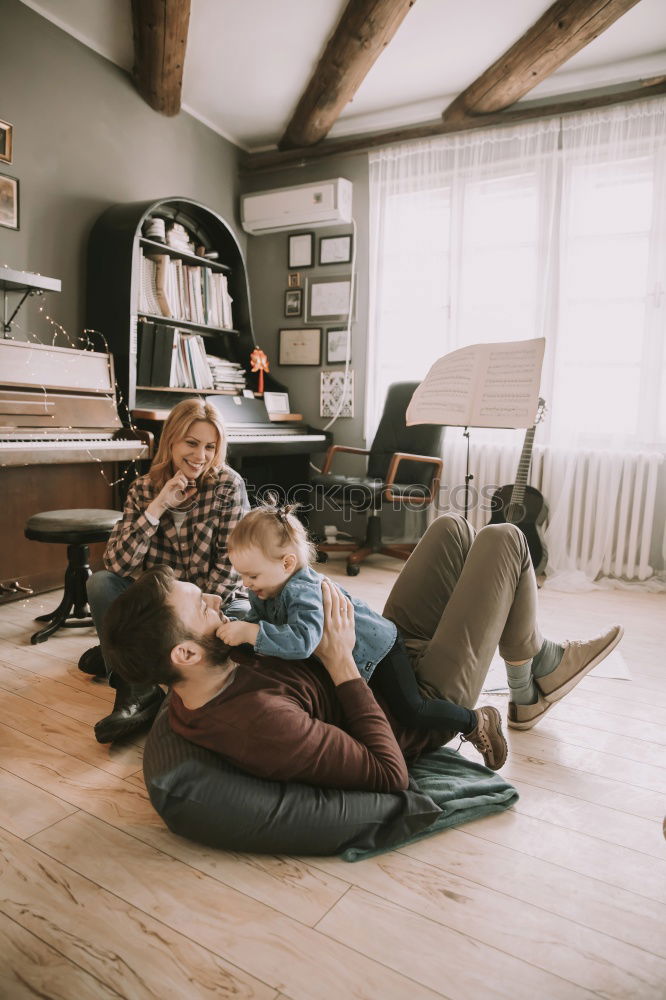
(6, 141)
(299, 347)
(335, 249)
(328, 298)
(9, 202)
(294, 279)
(293, 302)
(300, 250)
(336, 345)
(336, 393)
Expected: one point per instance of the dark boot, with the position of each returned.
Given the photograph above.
(92, 662)
(135, 707)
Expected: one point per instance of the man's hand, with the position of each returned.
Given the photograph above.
(337, 641)
(236, 633)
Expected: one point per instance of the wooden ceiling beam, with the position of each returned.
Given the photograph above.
(160, 40)
(276, 159)
(564, 29)
(363, 32)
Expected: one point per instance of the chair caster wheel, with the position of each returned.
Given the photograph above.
(353, 570)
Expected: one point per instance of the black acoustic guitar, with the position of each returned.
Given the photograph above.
(523, 505)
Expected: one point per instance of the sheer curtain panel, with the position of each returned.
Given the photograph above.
(554, 229)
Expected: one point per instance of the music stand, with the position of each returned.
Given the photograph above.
(483, 385)
(468, 475)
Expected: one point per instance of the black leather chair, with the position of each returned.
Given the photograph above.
(76, 529)
(403, 468)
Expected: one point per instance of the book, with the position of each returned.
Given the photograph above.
(164, 355)
(162, 283)
(146, 342)
(483, 385)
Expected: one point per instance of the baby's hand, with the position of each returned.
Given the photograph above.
(236, 633)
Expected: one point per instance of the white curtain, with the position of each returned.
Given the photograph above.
(555, 229)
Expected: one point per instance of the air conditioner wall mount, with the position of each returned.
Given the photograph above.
(303, 206)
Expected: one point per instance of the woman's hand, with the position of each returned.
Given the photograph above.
(337, 641)
(175, 492)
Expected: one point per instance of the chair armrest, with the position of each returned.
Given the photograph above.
(400, 456)
(328, 461)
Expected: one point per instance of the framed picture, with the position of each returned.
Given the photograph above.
(336, 394)
(6, 133)
(293, 302)
(294, 279)
(300, 347)
(335, 249)
(300, 250)
(336, 345)
(276, 402)
(9, 202)
(328, 298)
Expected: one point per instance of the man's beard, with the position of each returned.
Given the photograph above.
(217, 652)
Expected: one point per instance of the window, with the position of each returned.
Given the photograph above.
(554, 229)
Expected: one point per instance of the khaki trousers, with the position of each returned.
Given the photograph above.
(458, 598)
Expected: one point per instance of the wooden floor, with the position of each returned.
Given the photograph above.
(562, 897)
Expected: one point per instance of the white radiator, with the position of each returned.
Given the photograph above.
(601, 503)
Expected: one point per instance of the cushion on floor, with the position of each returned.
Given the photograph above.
(201, 796)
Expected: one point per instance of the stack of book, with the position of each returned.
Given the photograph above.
(228, 376)
(173, 289)
(178, 237)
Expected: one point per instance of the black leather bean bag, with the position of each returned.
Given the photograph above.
(201, 796)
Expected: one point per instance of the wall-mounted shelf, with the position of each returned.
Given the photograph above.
(26, 282)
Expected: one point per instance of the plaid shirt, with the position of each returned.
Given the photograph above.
(198, 552)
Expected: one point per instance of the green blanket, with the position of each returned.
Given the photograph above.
(461, 789)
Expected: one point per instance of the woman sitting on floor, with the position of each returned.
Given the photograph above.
(179, 515)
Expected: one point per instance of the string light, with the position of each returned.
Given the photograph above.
(131, 470)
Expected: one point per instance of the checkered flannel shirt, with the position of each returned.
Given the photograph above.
(198, 553)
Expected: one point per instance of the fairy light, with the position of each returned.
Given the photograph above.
(131, 470)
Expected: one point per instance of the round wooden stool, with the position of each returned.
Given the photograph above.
(76, 529)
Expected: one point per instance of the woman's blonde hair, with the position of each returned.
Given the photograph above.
(177, 427)
(275, 531)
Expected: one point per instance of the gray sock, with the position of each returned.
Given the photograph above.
(547, 658)
(522, 689)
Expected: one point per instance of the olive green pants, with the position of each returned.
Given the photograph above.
(458, 598)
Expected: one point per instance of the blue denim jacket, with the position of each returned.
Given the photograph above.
(292, 622)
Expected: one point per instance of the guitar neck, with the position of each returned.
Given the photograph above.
(518, 492)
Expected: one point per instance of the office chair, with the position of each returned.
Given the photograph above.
(402, 469)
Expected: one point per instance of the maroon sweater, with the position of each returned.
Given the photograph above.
(288, 721)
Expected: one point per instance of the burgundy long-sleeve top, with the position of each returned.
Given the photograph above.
(287, 721)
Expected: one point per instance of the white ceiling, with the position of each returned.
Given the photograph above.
(248, 61)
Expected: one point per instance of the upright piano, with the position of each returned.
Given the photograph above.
(61, 442)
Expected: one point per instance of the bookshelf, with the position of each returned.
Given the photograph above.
(116, 306)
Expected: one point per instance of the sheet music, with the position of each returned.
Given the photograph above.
(483, 385)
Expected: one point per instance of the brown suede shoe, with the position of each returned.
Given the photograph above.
(578, 659)
(488, 738)
(526, 716)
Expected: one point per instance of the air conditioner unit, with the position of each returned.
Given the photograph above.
(326, 203)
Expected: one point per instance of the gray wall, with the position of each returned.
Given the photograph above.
(268, 269)
(84, 140)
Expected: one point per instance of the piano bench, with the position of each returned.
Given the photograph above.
(76, 529)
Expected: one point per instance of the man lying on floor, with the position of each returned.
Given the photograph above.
(455, 600)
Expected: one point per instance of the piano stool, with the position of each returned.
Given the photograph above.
(76, 529)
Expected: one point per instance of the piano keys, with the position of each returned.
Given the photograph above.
(61, 442)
